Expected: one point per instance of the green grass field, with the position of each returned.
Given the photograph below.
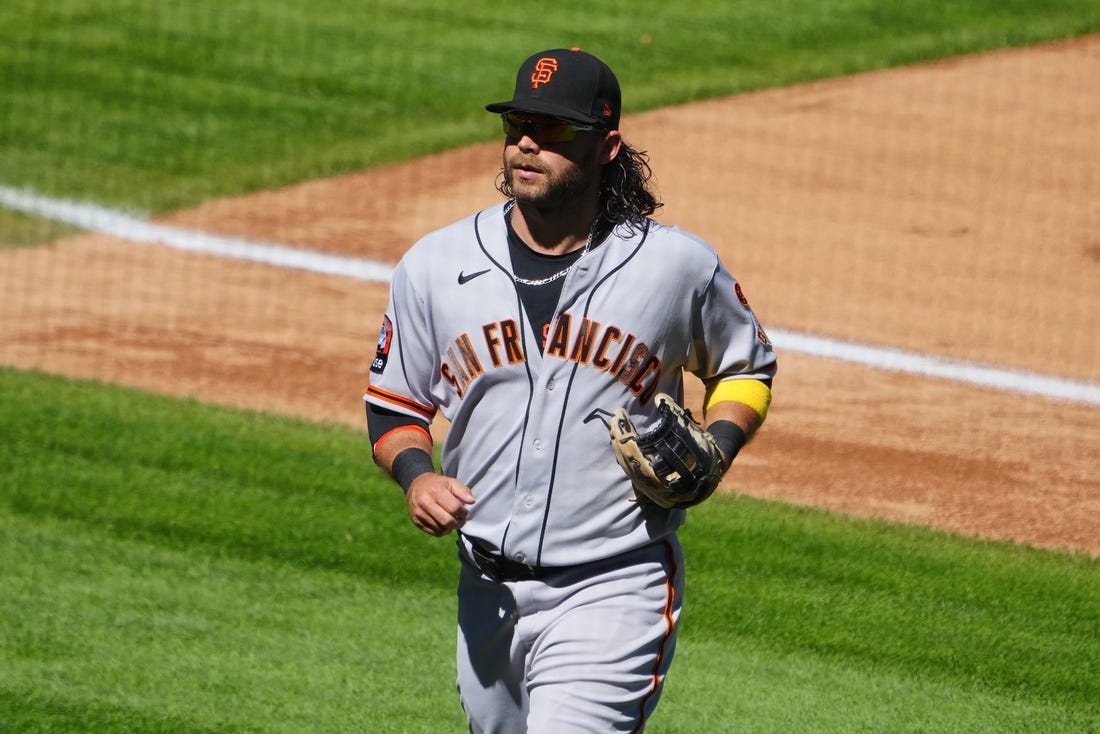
(171, 567)
(179, 568)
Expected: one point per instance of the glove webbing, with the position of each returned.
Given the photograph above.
(671, 454)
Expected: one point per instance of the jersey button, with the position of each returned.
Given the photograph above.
(550, 385)
(519, 557)
(538, 444)
(528, 501)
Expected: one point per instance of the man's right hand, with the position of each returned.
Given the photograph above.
(438, 504)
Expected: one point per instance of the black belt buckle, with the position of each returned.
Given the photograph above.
(501, 569)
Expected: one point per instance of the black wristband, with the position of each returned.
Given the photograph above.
(409, 464)
(730, 438)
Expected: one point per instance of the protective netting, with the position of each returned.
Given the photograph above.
(193, 199)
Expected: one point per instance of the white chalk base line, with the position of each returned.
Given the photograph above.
(138, 230)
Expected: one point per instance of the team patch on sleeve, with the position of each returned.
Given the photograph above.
(385, 340)
(741, 295)
(761, 335)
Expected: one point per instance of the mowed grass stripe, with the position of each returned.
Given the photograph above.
(183, 475)
(158, 106)
(103, 634)
(221, 570)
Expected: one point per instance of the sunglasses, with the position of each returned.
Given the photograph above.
(542, 130)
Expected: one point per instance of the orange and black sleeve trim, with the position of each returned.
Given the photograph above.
(401, 403)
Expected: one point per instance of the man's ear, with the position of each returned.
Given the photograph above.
(612, 142)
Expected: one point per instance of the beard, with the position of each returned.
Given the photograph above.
(553, 188)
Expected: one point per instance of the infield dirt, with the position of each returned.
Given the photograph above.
(950, 209)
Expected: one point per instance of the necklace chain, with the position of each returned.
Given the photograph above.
(561, 273)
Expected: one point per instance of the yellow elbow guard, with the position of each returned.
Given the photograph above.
(752, 393)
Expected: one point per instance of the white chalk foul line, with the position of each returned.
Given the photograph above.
(135, 229)
(899, 360)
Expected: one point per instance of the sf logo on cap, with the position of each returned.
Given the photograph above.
(544, 69)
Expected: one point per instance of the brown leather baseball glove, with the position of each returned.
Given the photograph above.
(676, 464)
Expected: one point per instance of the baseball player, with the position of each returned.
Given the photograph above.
(553, 332)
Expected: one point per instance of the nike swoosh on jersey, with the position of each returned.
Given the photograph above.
(463, 278)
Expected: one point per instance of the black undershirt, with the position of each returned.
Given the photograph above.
(540, 301)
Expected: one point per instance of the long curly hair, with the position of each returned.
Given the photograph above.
(627, 198)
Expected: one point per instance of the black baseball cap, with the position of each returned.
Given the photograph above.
(569, 84)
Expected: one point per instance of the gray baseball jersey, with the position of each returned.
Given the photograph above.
(525, 431)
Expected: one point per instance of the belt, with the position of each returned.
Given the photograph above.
(501, 569)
